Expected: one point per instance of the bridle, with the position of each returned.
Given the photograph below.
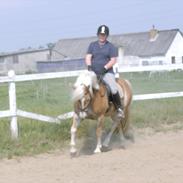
(83, 107)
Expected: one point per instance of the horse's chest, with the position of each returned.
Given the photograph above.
(90, 113)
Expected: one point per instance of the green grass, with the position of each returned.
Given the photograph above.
(159, 82)
(52, 97)
(155, 113)
(34, 138)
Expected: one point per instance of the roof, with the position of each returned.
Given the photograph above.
(139, 44)
(134, 44)
(23, 51)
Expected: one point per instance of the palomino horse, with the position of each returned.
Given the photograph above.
(91, 101)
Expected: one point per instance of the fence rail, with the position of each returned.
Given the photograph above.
(13, 112)
(158, 96)
(52, 75)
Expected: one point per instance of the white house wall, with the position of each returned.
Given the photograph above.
(176, 49)
(126, 60)
(131, 60)
(8, 64)
(26, 62)
(138, 61)
(157, 60)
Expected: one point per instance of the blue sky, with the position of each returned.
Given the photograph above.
(35, 23)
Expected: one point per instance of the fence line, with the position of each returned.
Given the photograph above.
(152, 68)
(35, 116)
(13, 112)
(157, 96)
(4, 114)
(53, 75)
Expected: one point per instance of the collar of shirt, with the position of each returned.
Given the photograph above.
(102, 44)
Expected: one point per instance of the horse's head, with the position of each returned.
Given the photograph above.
(86, 80)
(83, 89)
(82, 98)
(86, 99)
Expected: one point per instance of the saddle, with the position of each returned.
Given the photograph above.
(108, 90)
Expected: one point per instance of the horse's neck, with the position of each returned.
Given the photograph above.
(99, 101)
(103, 89)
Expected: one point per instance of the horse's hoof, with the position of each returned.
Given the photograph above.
(132, 140)
(73, 154)
(122, 146)
(97, 151)
(105, 149)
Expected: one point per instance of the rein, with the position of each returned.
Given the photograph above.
(85, 109)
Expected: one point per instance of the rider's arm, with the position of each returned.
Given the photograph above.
(111, 62)
(88, 59)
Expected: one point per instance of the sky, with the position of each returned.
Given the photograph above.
(35, 23)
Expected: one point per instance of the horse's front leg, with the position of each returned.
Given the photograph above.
(75, 124)
(99, 134)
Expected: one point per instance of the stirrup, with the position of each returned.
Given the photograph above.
(120, 113)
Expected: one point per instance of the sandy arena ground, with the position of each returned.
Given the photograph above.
(156, 158)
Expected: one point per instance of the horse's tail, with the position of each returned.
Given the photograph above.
(127, 91)
(130, 90)
(125, 123)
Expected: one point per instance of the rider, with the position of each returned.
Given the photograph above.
(100, 58)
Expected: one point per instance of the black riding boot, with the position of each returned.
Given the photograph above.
(118, 105)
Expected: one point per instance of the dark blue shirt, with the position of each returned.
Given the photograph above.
(101, 54)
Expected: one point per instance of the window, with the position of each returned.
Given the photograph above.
(173, 59)
(15, 59)
(145, 62)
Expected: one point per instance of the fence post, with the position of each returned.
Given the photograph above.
(13, 106)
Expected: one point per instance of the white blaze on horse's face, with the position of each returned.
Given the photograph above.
(85, 101)
(82, 103)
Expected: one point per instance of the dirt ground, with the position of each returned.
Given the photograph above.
(154, 158)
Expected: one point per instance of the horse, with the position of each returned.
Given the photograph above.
(91, 101)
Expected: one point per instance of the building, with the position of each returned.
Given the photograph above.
(154, 47)
(22, 61)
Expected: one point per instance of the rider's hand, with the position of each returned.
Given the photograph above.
(104, 70)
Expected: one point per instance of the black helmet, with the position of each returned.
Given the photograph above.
(103, 29)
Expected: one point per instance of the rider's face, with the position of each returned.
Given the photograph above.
(102, 38)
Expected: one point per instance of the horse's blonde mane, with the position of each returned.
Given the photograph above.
(87, 79)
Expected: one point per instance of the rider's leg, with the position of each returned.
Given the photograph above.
(109, 78)
(118, 105)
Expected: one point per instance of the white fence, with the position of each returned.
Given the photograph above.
(13, 112)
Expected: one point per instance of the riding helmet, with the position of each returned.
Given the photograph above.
(103, 29)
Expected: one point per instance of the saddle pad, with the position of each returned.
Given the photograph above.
(121, 94)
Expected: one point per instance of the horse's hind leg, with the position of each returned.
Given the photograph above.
(109, 135)
(122, 137)
(76, 121)
(126, 127)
